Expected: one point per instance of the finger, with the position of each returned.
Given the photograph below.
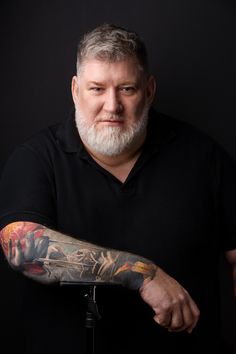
(190, 313)
(163, 318)
(177, 321)
(188, 317)
(196, 314)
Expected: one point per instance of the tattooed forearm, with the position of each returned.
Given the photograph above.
(231, 258)
(234, 280)
(49, 256)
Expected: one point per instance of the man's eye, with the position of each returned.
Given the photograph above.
(128, 89)
(95, 89)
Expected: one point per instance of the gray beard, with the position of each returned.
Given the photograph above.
(110, 141)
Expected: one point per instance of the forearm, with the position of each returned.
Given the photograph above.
(231, 257)
(234, 280)
(49, 256)
(234, 276)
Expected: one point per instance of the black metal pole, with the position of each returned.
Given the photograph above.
(92, 314)
(90, 320)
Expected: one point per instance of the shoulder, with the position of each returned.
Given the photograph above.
(185, 131)
(37, 150)
(45, 139)
(44, 144)
(190, 143)
(188, 135)
(62, 137)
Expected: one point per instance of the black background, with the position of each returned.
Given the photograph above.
(191, 45)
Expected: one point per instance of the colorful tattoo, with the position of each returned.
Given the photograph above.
(21, 243)
(234, 279)
(50, 256)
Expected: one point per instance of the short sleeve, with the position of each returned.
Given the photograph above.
(227, 200)
(26, 189)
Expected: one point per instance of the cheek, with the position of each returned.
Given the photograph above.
(89, 105)
(138, 107)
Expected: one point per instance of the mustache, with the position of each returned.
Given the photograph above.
(111, 117)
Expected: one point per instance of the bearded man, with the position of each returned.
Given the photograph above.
(124, 198)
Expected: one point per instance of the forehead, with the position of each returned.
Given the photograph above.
(100, 70)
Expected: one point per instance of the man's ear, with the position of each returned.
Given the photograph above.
(74, 89)
(151, 89)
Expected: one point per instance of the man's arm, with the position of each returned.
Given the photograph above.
(49, 256)
(231, 257)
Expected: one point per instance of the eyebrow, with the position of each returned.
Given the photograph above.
(123, 83)
(95, 83)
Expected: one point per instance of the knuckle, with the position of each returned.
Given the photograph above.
(165, 307)
(182, 297)
(177, 325)
(189, 323)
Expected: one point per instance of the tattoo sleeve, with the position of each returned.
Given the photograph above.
(234, 279)
(49, 256)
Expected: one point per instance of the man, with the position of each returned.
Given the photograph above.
(120, 195)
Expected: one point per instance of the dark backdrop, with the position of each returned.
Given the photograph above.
(192, 54)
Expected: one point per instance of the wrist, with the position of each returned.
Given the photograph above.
(134, 273)
(149, 276)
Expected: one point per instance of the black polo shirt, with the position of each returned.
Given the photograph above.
(177, 208)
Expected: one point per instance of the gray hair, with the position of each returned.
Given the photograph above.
(112, 43)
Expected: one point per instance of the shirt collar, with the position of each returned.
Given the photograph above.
(160, 129)
(159, 132)
(68, 136)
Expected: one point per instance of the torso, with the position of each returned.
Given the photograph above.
(120, 171)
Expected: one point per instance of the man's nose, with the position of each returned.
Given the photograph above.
(112, 102)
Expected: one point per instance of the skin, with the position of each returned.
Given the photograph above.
(103, 88)
(231, 257)
(48, 256)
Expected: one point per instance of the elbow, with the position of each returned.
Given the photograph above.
(24, 246)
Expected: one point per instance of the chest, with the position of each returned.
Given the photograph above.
(163, 209)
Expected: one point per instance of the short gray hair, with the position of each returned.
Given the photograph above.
(112, 43)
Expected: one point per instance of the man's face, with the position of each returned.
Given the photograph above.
(111, 101)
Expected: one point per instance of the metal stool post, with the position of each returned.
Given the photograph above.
(92, 315)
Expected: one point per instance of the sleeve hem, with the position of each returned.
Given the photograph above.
(25, 216)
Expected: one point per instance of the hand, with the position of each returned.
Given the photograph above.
(173, 306)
